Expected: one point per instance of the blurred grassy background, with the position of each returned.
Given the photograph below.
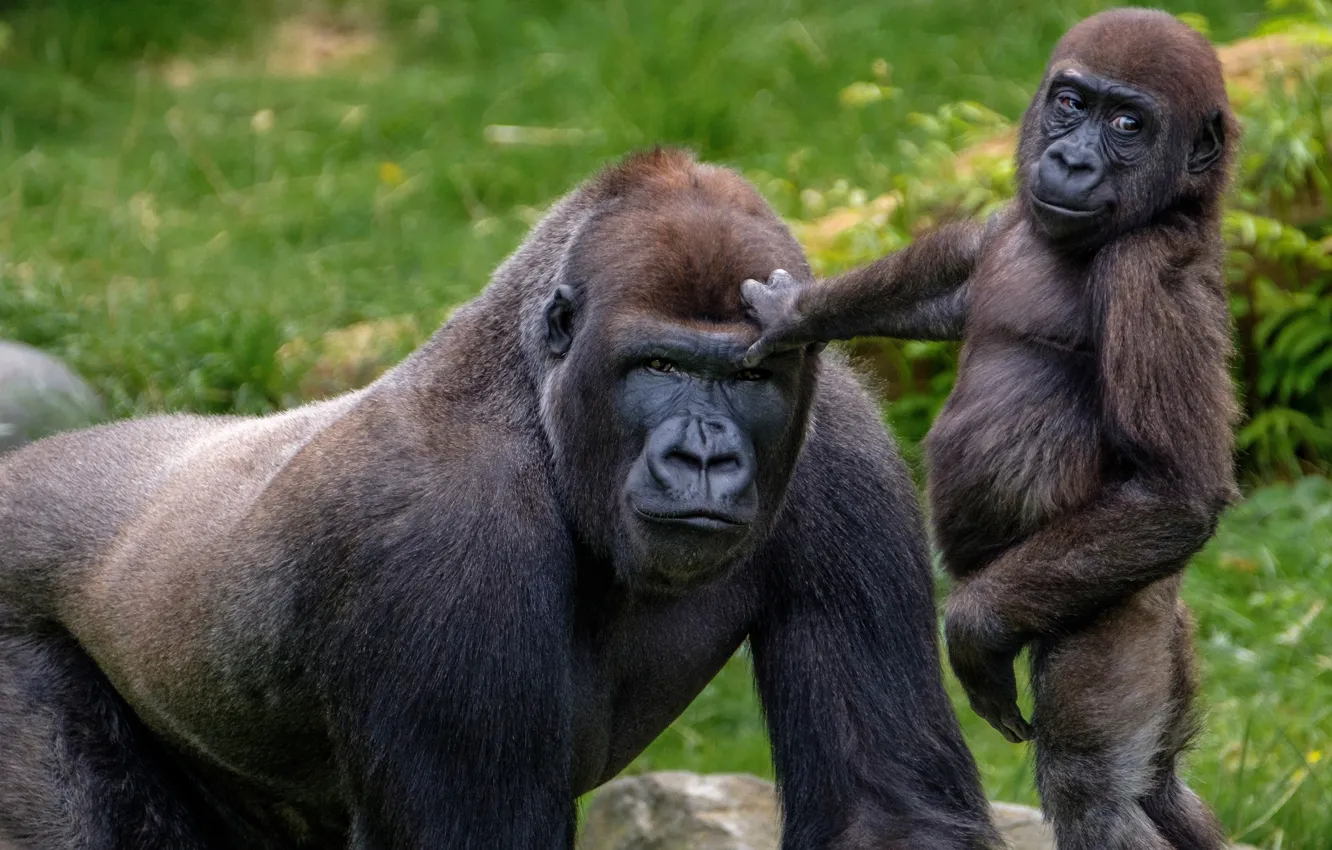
(232, 207)
(170, 221)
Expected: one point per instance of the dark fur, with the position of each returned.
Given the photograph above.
(1085, 452)
(401, 618)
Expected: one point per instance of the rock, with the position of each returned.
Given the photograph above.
(39, 395)
(674, 810)
(1022, 826)
(683, 811)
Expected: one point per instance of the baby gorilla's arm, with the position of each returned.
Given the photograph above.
(918, 292)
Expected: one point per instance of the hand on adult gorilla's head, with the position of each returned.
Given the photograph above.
(775, 306)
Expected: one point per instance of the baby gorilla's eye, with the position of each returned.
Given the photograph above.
(1070, 101)
(751, 375)
(1126, 123)
(658, 364)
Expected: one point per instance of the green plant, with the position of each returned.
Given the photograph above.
(1280, 233)
(1284, 313)
(81, 37)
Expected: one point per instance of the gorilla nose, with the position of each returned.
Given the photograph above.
(1068, 173)
(707, 458)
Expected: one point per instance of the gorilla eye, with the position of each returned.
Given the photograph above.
(1126, 124)
(750, 375)
(658, 364)
(1070, 101)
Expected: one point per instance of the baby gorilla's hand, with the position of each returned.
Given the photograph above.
(773, 306)
(982, 654)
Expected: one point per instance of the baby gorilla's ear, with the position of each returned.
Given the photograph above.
(559, 320)
(1209, 144)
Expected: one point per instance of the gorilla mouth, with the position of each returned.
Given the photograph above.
(700, 520)
(1067, 212)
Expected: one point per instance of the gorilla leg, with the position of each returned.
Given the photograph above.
(1185, 821)
(77, 771)
(1107, 708)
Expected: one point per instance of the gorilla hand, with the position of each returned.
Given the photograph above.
(773, 306)
(981, 653)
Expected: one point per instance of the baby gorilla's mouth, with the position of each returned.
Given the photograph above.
(1068, 212)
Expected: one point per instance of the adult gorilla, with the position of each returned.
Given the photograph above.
(430, 613)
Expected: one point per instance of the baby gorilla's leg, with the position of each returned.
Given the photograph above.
(1106, 706)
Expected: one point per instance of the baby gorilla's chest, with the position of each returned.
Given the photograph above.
(1018, 442)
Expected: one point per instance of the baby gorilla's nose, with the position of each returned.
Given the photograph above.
(1069, 173)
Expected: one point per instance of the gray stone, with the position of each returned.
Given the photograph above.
(683, 811)
(39, 395)
(688, 811)
(1022, 827)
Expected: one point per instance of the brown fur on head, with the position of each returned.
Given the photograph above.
(672, 237)
(1151, 50)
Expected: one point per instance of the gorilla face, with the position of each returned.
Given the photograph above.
(702, 427)
(673, 457)
(686, 460)
(1105, 156)
(1096, 131)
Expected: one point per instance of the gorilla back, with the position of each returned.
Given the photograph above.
(430, 613)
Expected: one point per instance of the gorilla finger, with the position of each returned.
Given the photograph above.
(987, 679)
(750, 290)
(1016, 728)
(989, 715)
(756, 353)
(1006, 719)
(1009, 734)
(1023, 729)
(780, 277)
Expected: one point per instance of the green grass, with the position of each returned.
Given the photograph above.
(168, 240)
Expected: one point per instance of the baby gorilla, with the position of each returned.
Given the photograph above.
(1085, 452)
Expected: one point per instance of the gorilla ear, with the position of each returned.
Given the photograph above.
(559, 320)
(1209, 144)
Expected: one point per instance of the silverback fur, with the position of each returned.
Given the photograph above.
(407, 616)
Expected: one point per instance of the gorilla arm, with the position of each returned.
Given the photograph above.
(918, 292)
(865, 743)
(1163, 331)
(462, 736)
